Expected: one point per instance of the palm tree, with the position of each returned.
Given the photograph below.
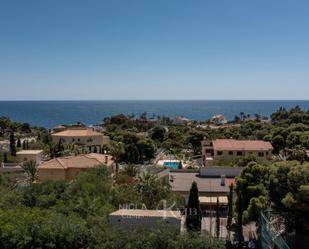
(147, 186)
(237, 119)
(51, 150)
(70, 149)
(242, 115)
(257, 117)
(31, 170)
(147, 179)
(117, 150)
(131, 170)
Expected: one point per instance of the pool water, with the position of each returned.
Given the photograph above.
(172, 165)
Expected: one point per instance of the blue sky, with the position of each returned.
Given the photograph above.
(129, 49)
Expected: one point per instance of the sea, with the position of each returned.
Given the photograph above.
(51, 113)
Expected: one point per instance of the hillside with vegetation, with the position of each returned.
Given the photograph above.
(287, 130)
(75, 214)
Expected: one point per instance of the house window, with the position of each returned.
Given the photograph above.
(231, 153)
(267, 153)
(219, 153)
(239, 153)
(78, 139)
(261, 154)
(208, 151)
(73, 139)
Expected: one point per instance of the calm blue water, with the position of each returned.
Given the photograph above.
(172, 165)
(51, 113)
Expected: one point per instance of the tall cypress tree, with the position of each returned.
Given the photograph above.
(18, 143)
(217, 219)
(12, 144)
(60, 148)
(230, 208)
(240, 217)
(95, 150)
(194, 214)
(24, 145)
(5, 158)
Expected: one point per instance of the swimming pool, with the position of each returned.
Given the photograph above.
(172, 165)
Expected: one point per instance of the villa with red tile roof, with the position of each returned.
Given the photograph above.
(214, 150)
(67, 168)
(213, 184)
(82, 137)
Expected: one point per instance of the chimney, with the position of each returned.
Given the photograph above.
(222, 180)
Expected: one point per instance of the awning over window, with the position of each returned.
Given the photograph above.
(204, 200)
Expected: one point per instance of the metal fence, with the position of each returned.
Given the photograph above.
(270, 234)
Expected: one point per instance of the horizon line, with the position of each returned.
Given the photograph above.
(41, 100)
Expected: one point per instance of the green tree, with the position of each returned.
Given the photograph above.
(217, 219)
(256, 205)
(116, 150)
(60, 148)
(50, 149)
(294, 139)
(304, 140)
(158, 133)
(24, 145)
(132, 154)
(18, 143)
(257, 117)
(252, 182)
(12, 144)
(289, 191)
(194, 138)
(131, 170)
(237, 120)
(230, 207)
(298, 153)
(146, 149)
(5, 157)
(152, 193)
(278, 143)
(240, 211)
(278, 116)
(25, 128)
(95, 150)
(193, 214)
